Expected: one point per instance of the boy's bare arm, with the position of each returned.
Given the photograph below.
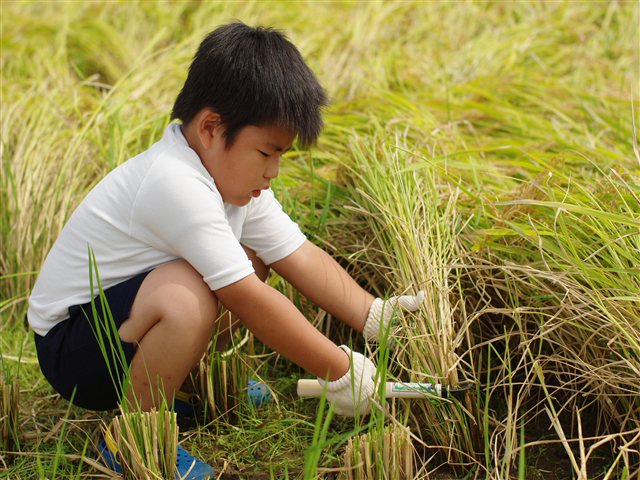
(323, 281)
(272, 318)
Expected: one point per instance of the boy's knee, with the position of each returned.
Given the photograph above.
(188, 298)
(192, 312)
(176, 296)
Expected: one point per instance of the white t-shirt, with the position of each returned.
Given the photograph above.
(156, 208)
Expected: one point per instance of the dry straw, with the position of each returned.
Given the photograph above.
(9, 397)
(223, 383)
(146, 443)
(380, 454)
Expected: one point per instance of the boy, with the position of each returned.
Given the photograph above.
(190, 226)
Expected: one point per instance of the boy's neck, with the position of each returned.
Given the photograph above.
(191, 136)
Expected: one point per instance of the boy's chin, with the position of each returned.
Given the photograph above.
(239, 202)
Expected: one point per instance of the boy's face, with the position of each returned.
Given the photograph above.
(249, 165)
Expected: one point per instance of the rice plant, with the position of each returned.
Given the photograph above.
(146, 443)
(381, 454)
(9, 402)
(223, 384)
(410, 246)
(561, 280)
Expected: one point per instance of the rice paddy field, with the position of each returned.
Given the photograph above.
(483, 151)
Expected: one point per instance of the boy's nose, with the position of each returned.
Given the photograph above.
(272, 170)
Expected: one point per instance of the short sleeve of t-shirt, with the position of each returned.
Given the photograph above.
(269, 231)
(179, 211)
(158, 207)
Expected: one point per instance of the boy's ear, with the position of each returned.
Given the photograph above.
(208, 126)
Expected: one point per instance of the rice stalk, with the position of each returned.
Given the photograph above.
(9, 398)
(388, 453)
(409, 245)
(557, 270)
(535, 283)
(146, 442)
(223, 383)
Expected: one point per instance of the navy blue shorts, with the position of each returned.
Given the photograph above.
(71, 357)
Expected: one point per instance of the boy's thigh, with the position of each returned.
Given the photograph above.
(82, 357)
(172, 292)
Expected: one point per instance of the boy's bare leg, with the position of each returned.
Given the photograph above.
(172, 320)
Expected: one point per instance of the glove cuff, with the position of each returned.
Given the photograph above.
(371, 330)
(350, 393)
(356, 367)
(380, 313)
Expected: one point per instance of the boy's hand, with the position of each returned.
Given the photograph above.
(381, 313)
(350, 394)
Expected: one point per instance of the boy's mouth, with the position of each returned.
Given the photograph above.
(256, 193)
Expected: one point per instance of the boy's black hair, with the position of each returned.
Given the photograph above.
(252, 76)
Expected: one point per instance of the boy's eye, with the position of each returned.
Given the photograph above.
(263, 154)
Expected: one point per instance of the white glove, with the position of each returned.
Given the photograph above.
(350, 394)
(381, 312)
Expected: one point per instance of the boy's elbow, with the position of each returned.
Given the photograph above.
(239, 291)
(244, 295)
(297, 261)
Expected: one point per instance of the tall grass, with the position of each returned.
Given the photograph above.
(482, 151)
(562, 279)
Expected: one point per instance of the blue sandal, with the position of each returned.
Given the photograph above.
(186, 404)
(185, 462)
(258, 394)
